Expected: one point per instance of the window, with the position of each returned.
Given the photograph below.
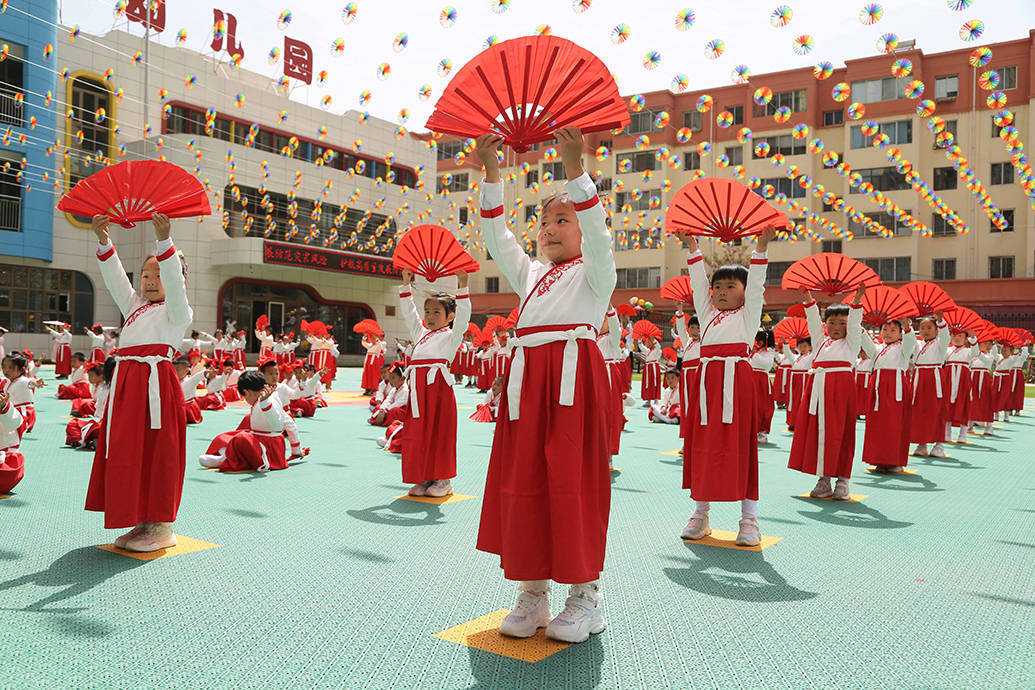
(1002, 173)
(1008, 215)
(796, 100)
(530, 214)
(996, 129)
(1007, 77)
(641, 204)
(1000, 267)
(775, 270)
(900, 132)
(832, 118)
(12, 82)
(883, 180)
(894, 268)
(735, 154)
(786, 144)
(446, 150)
(10, 193)
(891, 222)
(832, 246)
(738, 113)
(940, 227)
(947, 87)
(876, 90)
(694, 120)
(457, 183)
(531, 177)
(944, 269)
(86, 96)
(492, 284)
(691, 160)
(639, 278)
(786, 186)
(945, 178)
(641, 122)
(554, 168)
(603, 184)
(644, 160)
(30, 295)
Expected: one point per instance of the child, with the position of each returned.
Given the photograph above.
(722, 462)
(258, 443)
(761, 360)
(77, 386)
(403, 350)
(667, 410)
(502, 364)
(886, 441)
(284, 349)
(305, 404)
(824, 426)
(189, 385)
(372, 363)
(863, 372)
(12, 463)
(215, 384)
(429, 434)
(487, 411)
(548, 491)
(271, 372)
(237, 346)
(956, 383)
(21, 388)
(62, 353)
(471, 361)
(137, 476)
(650, 381)
(265, 337)
(84, 432)
(783, 374)
(486, 357)
(800, 366)
(980, 406)
(382, 388)
(87, 407)
(220, 346)
(111, 342)
(928, 400)
(230, 392)
(394, 406)
(1004, 382)
(610, 343)
(96, 335)
(690, 335)
(456, 366)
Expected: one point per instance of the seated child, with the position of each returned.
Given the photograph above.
(382, 389)
(667, 411)
(83, 432)
(487, 411)
(230, 393)
(396, 402)
(189, 383)
(77, 386)
(12, 463)
(309, 393)
(21, 387)
(215, 384)
(258, 443)
(88, 407)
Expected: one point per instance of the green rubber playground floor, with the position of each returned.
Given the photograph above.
(319, 576)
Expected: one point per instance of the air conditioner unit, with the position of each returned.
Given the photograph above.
(951, 96)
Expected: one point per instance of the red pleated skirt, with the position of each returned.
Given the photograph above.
(886, 441)
(627, 370)
(192, 412)
(927, 423)
(239, 360)
(981, 407)
(650, 383)
(141, 479)
(429, 441)
(764, 400)
(265, 352)
(956, 412)
(862, 391)
(84, 407)
(231, 394)
(396, 414)
(456, 367)
(97, 355)
(244, 449)
(780, 384)
(371, 371)
(471, 364)
(838, 431)
(548, 488)
(722, 462)
(211, 401)
(484, 374)
(615, 408)
(12, 469)
(28, 412)
(63, 360)
(72, 391)
(795, 387)
(1015, 401)
(303, 407)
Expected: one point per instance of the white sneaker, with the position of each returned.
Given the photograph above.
(938, 451)
(647, 403)
(841, 490)
(417, 489)
(822, 489)
(921, 451)
(439, 489)
(382, 442)
(763, 437)
(155, 536)
(962, 438)
(697, 527)
(988, 429)
(531, 612)
(582, 615)
(749, 534)
(211, 460)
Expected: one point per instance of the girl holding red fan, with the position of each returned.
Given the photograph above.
(824, 426)
(429, 432)
(96, 335)
(763, 355)
(801, 363)
(650, 384)
(264, 334)
(689, 332)
(62, 351)
(138, 467)
(956, 383)
(610, 343)
(886, 442)
(927, 424)
(548, 490)
(372, 363)
(721, 461)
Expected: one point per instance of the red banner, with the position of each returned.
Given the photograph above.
(283, 254)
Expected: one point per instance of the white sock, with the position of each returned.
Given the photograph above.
(843, 479)
(948, 429)
(921, 448)
(963, 434)
(701, 508)
(534, 586)
(749, 508)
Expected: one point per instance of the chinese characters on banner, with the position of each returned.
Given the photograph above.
(298, 60)
(137, 10)
(326, 260)
(225, 28)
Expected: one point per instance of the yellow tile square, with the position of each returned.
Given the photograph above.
(905, 470)
(183, 545)
(852, 498)
(727, 540)
(452, 498)
(671, 452)
(483, 633)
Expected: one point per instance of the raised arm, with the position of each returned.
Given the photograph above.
(814, 321)
(463, 313)
(866, 342)
(503, 246)
(943, 337)
(755, 292)
(409, 308)
(114, 275)
(854, 334)
(908, 341)
(614, 332)
(177, 309)
(681, 330)
(699, 283)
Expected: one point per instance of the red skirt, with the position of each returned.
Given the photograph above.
(12, 469)
(795, 387)
(927, 423)
(429, 441)
(84, 407)
(396, 414)
(650, 383)
(722, 464)
(628, 370)
(689, 396)
(82, 430)
(239, 360)
(780, 384)
(956, 412)
(140, 479)
(615, 408)
(484, 375)
(303, 407)
(265, 352)
(456, 367)
(886, 441)
(548, 488)
(285, 358)
(231, 394)
(763, 400)
(862, 391)
(980, 407)
(483, 413)
(63, 360)
(1015, 401)
(371, 371)
(97, 354)
(28, 412)
(72, 391)
(837, 433)
(211, 401)
(192, 411)
(244, 449)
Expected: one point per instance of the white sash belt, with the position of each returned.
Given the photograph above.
(728, 374)
(569, 363)
(876, 387)
(433, 371)
(817, 408)
(955, 375)
(154, 392)
(936, 368)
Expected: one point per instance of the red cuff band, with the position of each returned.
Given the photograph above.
(405, 294)
(810, 304)
(856, 306)
(463, 296)
(167, 253)
(492, 212)
(106, 255)
(587, 204)
(759, 262)
(694, 259)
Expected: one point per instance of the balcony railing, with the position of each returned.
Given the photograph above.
(11, 113)
(10, 213)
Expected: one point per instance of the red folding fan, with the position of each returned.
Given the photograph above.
(262, 322)
(495, 323)
(433, 252)
(1008, 337)
(796, 310)
(1025, 335)
(882, 304)
(829, 273)
(928, 297)
(962, 320)
(986, 332)
(472, 329)
(368, 327)
(644, 328)
(721, 208)
(133, 191)
(527, 88)
(625, 310)
(678, 290)
(669, 354)
(512, 318)
(791, 329)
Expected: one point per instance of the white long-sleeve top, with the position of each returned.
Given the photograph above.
(269, 419)
(762, 360)
(189, 344)
(312, 388)
(691, 346)
(933, 351)
(610, 343)
(376, 347)
(493, 401)
(10, 421)
(216, 384)
(265, 339)
(669, 397)
(100, 398)
(1006, 364)
(433, 351)
(222, 344)
(963, 354)
(799, 362)
(843, 350)
(22, 391)
(395, 397)
(895, 355)
(78, 376)
(650, 354)
(60, 337)
(97, 342)
(189, 384)
(110, 342)
(282, 348)
(984, 361)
